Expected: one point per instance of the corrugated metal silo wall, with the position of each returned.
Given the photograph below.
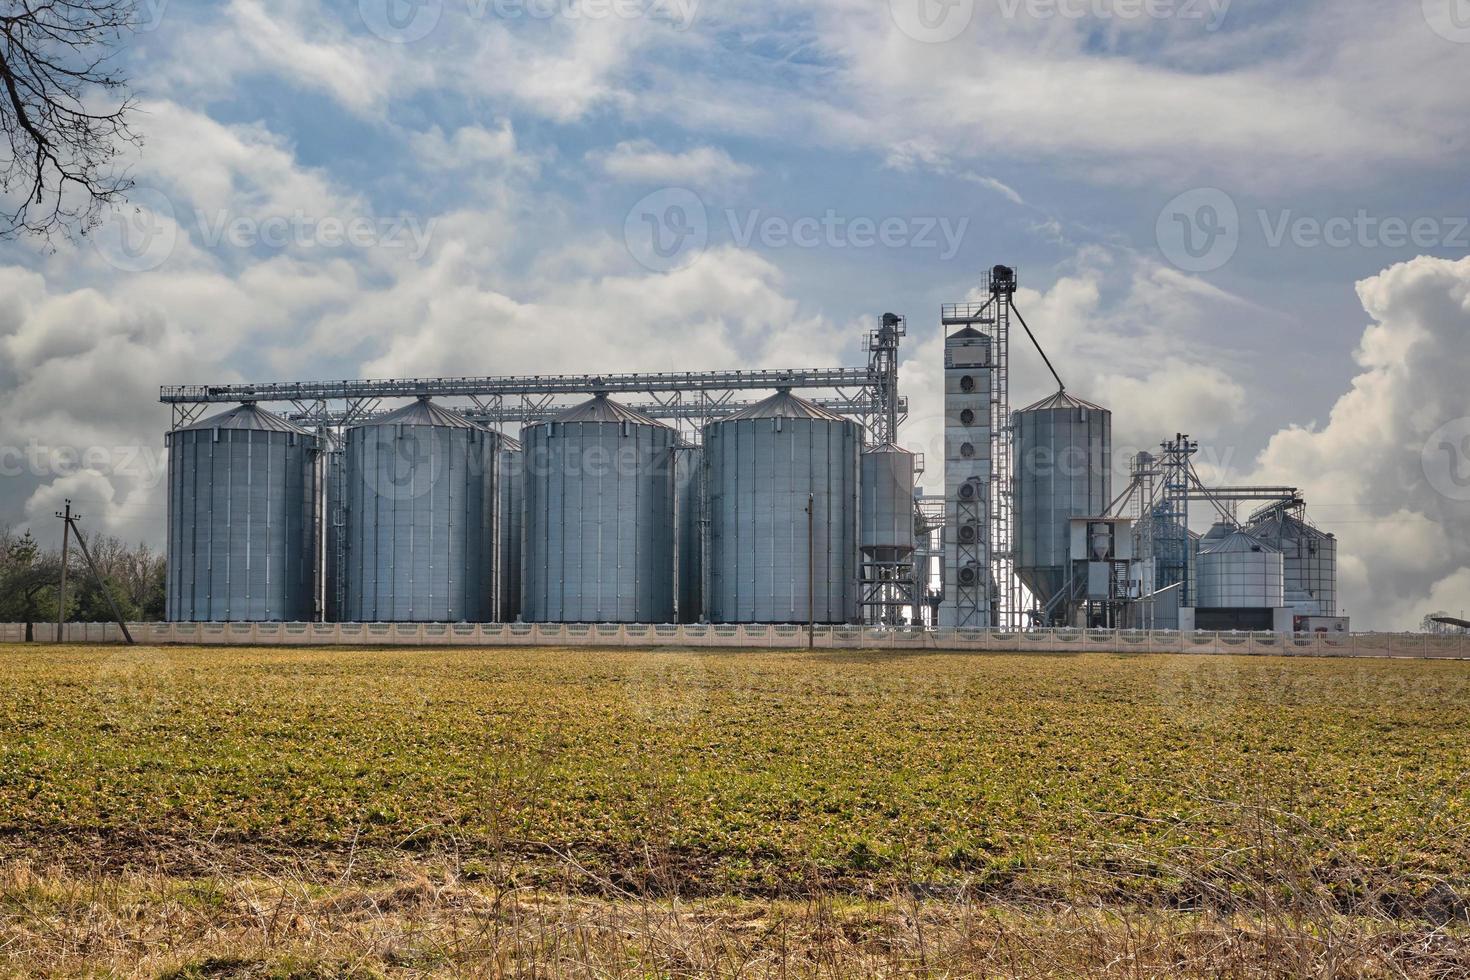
(599, 513)
(1310, 559)
(887, 510)
(1240, 580)
(241, 535)
(758, 473)
(689, 486)
(512, 500)
(422, 505)
(1062, 470)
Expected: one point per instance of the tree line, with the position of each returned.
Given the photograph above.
(30, 581)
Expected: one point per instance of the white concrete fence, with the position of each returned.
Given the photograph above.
(1420, 645)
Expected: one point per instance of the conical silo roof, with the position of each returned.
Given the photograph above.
(600, 408)
(784, 405)
(422, 411)
(249, 416)
(1062, 399)
(1237, 542)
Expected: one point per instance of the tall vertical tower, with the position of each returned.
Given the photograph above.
(968, 389)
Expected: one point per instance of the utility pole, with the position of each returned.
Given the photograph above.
(117, 615)
(65, 551)
(811, 572)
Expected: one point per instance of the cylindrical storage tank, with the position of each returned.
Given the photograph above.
(599, 513)
(886, 476)
(512, 514)
(241, 519)
(1218, 531)
(689, 493)
(1310, 559)
(422, 505)
(1240, 572)
(761, 466)
(1063, 446)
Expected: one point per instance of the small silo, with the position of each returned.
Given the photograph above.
(886, 475)
(1240, 571)
(422, 506)
(512, 515)
(886, 533)
(689, 498)
(1063, 447)
(1309, 556)
(599, 517)
(241, 519)
(762, 465)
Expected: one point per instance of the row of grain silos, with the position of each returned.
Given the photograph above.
(600, 514)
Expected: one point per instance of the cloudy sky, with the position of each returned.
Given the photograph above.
(1243, 220)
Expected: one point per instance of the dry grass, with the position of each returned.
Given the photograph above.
(426, 918)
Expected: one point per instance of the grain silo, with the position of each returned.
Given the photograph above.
(1240, 571)
(1309, 557)
(1063, 446)
(689, 498)
(241, 519)
(768, 560)
(599, 517)
(886, 534)
(422, 505)
(512, 515)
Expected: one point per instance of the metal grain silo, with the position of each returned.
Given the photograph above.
(761, 466)
(1309, 557)
(886, 475)
(599, 513)
(886, 534)
(1063, 446)
(241, 519)
(689, 497)
(512, 515)
(1240, 571)
(422, 505)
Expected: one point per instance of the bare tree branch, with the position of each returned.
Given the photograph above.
(63, 114)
